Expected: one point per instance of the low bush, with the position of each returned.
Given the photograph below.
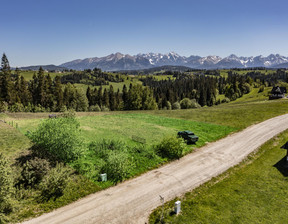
(187, 103)
(261, 89)
(89, 166)
(171, 148)
(225, 100)
(118, 165)
(6, 188)
(33, 172)
(95, 108)
(176, 106)
(55, 182)
(60, 137)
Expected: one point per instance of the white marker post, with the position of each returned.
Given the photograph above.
(177, 208)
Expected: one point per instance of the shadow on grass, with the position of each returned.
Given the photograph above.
(282, 166)
(36, 152)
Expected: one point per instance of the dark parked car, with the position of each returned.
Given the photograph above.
(188, 136)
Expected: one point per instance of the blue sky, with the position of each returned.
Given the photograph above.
(34, 32)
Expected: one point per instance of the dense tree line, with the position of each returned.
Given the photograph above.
(201, 88)
(269, 79)
(137, 97)
(38, 95)
(93, 77)
(43, 93)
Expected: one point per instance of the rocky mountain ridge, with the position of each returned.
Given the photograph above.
(119, 61)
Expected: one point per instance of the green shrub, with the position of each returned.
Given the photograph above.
(170, 148)
(261, 89)
(6, 187)
(101, 149)
(3, 106)
(89, 166)
(225, 100)
(187, 103)
(176, 106)
(55, 182)
(95, 108)
(246, 88)
(33, 172)
(168, 105)
(39, 108)
(17, 107)
(118, 166)
(104, 108)
(60, 137)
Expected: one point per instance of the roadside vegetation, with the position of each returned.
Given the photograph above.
(255, 191)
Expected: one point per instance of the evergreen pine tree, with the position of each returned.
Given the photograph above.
(5, 80)
(112, 99)
(100, 97)
(105, 100)
(58, 93)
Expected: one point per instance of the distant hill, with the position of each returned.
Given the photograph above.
(45, 67)
(157, 69)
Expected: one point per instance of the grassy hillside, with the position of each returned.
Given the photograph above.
(12, 141)
(28, 75)
(253, 192)
(237, 115)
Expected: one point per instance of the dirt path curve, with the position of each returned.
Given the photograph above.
(133, 200)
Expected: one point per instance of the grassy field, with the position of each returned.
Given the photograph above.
(237, 115)
(116, 85)
(253, 192)
(28, 75)
(254, 96)
(124, 126)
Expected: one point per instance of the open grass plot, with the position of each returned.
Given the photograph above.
(237, 115)
(126, 127)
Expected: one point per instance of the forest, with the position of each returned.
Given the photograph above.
(181, 91)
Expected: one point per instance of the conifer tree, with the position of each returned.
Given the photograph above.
(125, 97)
(105, 100)
(112, 99)
(100, 96)
(25, 95)
(89, 96)
(58, 93)
(5, 80)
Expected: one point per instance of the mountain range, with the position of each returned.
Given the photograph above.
(118, 61)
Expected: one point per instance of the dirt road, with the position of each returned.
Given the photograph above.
(133, 200)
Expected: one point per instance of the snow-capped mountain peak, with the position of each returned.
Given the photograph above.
(119, 61)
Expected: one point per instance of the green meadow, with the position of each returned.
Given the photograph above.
(123, 127)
